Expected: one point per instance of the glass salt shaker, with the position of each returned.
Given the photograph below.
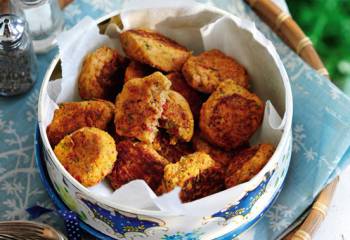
(18, 64)
(45, 19)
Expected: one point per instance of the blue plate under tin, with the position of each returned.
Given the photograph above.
(39, 159)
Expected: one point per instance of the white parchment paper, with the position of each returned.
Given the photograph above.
(198, 29)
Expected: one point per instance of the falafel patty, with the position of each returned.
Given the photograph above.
(137, 70)
(177, 118)
(171, 152)
(88, 154)
(153, 49)
(140, 105)
(98, 75)
(230, 116)
(137, 161)
(247, 164)
(205, 71)
(197, 174)
(219, 155)
(194, 99)
(71, 116)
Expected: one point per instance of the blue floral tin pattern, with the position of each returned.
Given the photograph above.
(243, 207)
(121, 223)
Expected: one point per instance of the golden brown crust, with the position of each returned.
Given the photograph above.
(88, 154)
(154, 49)
(194, 99)
(219, 155)
(177, 118)
(74, 115)
(137, 70)
(137, 161)
(171, 152)
(230, 116)
(175, 174)
(247, 164)
(210, 181)
(205, 71)
(197, 174)
(140, 105)
(99, 74)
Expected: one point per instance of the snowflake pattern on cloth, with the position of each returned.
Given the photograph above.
(320, 130)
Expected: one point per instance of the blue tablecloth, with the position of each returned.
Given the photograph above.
(321, 129)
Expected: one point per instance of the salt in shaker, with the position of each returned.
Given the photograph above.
(18, 64)
(45, 20)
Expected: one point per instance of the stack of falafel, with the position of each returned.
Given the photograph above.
(162, 115)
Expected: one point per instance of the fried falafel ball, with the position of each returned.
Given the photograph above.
(177, 118)
(194, 99)
(98, 76)
(247, 163)
(154, 49)
(140, 105)
(210, 181)
(137, 161)
(88, 154)
(219, 155)
(197, 174)
(205, 71)
(71, 116)
(230, 116)
(137, 70)
(171, 152)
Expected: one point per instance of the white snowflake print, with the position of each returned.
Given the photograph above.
(329, 163)
(279, 216)
(298, 137)
(72, 11)
(12, 188)
(310, 154)
(18, 175)
(334, 93)
(299, 144)
(296, 67)
(32, 106)
(315, 77)
(334, 113)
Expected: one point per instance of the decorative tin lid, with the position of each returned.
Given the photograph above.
(11, 28)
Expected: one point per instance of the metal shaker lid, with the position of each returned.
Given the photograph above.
(11, 28)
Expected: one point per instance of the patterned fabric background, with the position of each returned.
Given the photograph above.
(320, 128)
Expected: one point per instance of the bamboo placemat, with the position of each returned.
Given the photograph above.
(289, 31)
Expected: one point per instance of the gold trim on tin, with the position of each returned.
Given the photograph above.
(302, 44)
(301, 234)
(321, 208)
(283, 16)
